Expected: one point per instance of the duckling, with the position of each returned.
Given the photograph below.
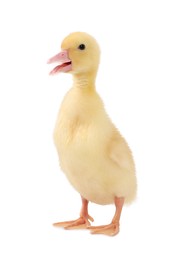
(92, 153)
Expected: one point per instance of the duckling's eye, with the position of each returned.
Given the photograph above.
(81, 47)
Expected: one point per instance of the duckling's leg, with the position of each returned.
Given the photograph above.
(113, 228)
(81, 222)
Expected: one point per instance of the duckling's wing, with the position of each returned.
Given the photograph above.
(119, 151)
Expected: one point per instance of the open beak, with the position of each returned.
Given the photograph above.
(63, 59)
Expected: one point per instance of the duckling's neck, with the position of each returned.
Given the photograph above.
(84, 80)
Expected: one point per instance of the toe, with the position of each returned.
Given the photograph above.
(109, 230)
(80, 223)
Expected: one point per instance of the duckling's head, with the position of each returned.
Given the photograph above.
(80, 54)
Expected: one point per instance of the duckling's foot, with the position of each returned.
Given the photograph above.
(113, 228)
(109, 230)
(80, 223)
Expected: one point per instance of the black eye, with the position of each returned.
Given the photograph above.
(81, 47)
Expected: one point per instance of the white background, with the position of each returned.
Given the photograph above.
(143, 80)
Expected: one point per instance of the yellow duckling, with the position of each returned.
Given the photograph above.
(94, 156)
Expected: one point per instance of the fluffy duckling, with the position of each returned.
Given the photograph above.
(94, 156)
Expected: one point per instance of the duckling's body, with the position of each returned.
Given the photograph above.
(92, 153)
(94, 156)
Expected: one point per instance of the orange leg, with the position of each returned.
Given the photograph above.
(113, 228)
(81, 222)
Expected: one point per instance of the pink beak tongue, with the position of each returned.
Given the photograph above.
(63, 59)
